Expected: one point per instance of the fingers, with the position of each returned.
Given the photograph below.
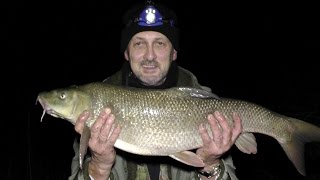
(237, 127)
(222, 132)
(225, 131)
(224, 136)
(114, 136)
(81, 122)
(99, 123)
(204, 134)
(215, 127)
(104, 134)
(105, 129)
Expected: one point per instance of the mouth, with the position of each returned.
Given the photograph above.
(149, 68)
(47, 109)
(52, 113)
(149, 65)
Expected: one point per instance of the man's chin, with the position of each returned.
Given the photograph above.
(151, 81)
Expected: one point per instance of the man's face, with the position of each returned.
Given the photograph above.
(150, 54)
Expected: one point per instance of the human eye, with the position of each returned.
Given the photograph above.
(160, 43)
(138, 44)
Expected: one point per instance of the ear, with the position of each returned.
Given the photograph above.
(174, 55)
(126, 54)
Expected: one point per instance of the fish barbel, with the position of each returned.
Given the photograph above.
(166, 122)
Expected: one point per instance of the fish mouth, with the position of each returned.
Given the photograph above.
(47, 109)
(42, 103)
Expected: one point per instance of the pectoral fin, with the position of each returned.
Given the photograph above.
(188, 157)
(84, 140)
(246, 143)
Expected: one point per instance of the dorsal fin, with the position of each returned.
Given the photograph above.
(192, 92)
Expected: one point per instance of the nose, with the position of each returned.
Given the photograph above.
(150, 54)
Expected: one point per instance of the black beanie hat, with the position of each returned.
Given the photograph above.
(150, 17)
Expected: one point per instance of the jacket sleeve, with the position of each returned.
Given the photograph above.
(229, 169)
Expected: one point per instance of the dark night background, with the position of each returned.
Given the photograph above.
(264, 53)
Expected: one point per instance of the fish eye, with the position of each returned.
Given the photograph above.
(63, 95)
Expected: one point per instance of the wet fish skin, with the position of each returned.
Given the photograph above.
(165, 122)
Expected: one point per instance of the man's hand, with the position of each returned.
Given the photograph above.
(223, 137)
(101, 143)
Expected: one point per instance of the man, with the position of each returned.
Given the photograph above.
(149, 42)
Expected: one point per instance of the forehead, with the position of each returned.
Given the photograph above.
(149, 35)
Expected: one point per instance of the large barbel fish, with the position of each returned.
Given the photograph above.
(166, 122)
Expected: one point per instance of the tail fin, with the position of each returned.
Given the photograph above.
(302, 132)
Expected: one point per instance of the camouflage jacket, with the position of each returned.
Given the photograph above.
(128, 170)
